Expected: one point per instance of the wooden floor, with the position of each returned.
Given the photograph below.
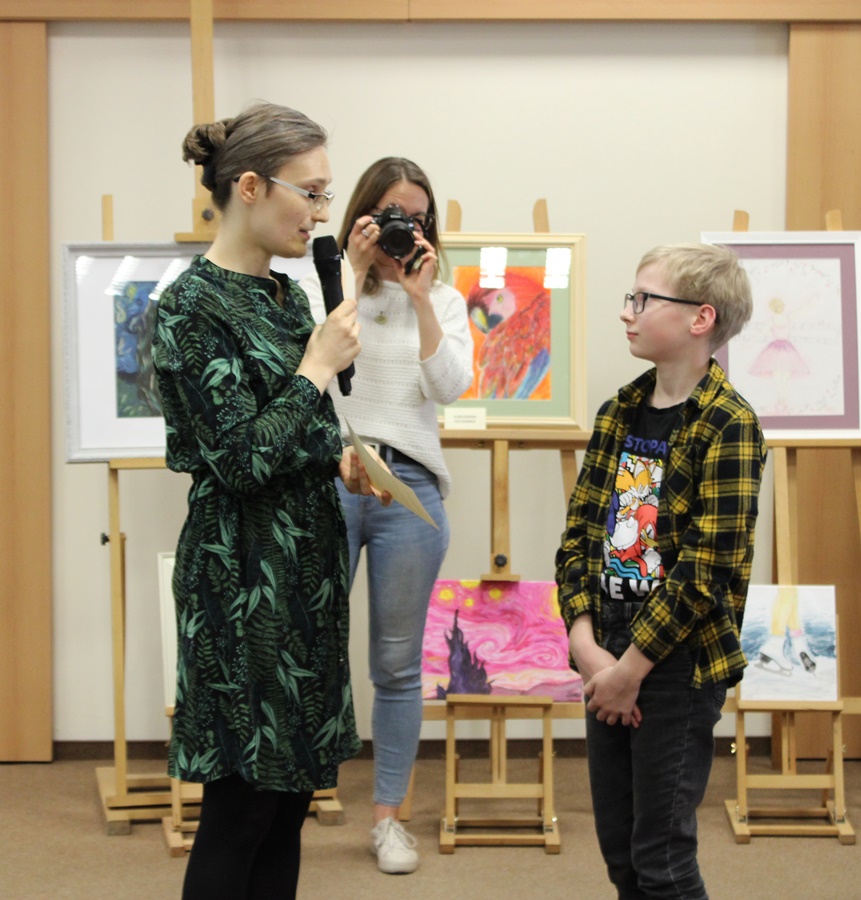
(53, 845)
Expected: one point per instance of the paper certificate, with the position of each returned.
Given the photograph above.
(383, 480)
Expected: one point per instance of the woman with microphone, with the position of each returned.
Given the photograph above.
(264, 711)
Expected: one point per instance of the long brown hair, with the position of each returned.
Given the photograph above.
(372, 185)
(261, 139)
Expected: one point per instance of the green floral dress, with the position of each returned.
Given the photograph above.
(260, 583)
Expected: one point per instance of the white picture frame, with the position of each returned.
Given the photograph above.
(798, 360)
(95, 275)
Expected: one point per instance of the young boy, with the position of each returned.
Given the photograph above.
(654, 566)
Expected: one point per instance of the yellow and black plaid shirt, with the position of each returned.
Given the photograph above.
(706, 516)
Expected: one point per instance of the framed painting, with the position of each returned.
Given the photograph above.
(797, 360)
(494, 637)
(111, 292)
(526, 302)
(789, 636)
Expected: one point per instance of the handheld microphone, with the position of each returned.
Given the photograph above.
(327, 262)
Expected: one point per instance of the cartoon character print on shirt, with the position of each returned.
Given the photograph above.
(632, 560)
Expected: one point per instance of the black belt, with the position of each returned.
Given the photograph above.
(390, 454)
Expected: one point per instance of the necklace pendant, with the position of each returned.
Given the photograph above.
(380, 318)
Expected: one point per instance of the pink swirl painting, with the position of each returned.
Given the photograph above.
(488, 637)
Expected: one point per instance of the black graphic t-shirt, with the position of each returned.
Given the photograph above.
(632, 561)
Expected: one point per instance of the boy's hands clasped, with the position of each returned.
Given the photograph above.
(612, 694)
(610, 686)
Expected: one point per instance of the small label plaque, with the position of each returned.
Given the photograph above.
(457, 417)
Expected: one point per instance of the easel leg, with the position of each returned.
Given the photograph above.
(547, 809)
(124, 797)
(498, 748)
(448, 822)
(737, 810)
(405, 812)
(327, 807)
(845, 832)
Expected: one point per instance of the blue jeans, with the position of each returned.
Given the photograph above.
(404, 555)
(647, 782)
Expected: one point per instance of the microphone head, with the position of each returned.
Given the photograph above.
(327, 256)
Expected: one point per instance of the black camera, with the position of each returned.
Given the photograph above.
(396, 232)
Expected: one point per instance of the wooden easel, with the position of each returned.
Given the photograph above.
(497, 831)
(499, 443)
(125, 797)
(204, 216)
(500, 830)
(179, 832)
(784, 820)
(832, 808)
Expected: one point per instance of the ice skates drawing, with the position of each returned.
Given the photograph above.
(774, 658)
(801, 649)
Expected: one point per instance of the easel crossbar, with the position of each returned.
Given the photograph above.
(479, 790)
(783, 781)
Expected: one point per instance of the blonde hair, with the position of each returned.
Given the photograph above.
(261, 139)
(707, 273)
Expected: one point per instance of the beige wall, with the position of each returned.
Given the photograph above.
(636, 134)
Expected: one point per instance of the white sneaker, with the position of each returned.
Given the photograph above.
(395, 848)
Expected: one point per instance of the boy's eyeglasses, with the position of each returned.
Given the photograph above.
(318, 201)
(638, 300)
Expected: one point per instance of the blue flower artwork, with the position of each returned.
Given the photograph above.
(134, 313)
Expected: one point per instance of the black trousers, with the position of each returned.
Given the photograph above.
(247, 845)
(647, 783)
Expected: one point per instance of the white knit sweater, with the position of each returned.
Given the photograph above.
(394, 394)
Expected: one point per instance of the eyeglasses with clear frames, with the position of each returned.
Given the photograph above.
(317, 200)
(638, 300)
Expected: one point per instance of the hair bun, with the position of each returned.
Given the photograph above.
(202, 145)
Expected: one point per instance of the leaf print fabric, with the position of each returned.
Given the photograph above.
(260, 583)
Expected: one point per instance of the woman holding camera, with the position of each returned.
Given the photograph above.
(416, 354)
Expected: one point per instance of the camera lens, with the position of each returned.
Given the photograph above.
(396, 232)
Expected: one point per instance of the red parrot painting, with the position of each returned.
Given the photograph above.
(511, 333)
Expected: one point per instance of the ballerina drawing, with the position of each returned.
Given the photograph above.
(780, 359)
